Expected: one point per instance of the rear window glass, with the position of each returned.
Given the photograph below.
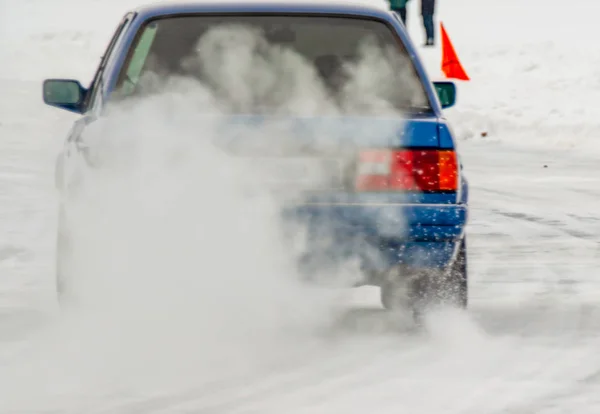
(254, 63)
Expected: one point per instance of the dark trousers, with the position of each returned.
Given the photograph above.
(402, 13)
(428, 24)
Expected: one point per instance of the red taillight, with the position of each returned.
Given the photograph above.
(407, 170)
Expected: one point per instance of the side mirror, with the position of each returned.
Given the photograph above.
(66, 94)
(446, 92)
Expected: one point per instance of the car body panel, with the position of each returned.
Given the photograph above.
(338, 132)
(142, 15)
(419, 229)
(418, 235)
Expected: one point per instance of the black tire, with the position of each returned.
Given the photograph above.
(401, 289)
(426, 287)
(456, 290)
(389, 296)
(451, 287)
(404, 296)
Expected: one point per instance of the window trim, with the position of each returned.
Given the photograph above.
(120, 75)
(97, 80)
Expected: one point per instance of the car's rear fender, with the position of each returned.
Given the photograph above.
(381, 236)
(398, 221)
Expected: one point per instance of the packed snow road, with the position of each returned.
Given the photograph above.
(528, 344)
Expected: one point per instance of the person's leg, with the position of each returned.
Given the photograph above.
(429, 29)
(402, 12)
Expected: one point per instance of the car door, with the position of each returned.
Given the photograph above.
(70, 161)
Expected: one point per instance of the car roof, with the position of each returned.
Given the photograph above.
(374, 8)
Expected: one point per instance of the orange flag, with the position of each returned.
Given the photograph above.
(450, 64)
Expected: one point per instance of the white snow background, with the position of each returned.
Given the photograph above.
(528, 345)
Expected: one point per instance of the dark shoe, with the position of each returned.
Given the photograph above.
(429, 42)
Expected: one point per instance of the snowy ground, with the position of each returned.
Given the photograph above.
(528, 345)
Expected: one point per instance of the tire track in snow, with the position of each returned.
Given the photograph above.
(552, 223)
(446, 374)
(229, 394)
(563, 394)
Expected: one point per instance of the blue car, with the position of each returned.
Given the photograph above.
(399, 201)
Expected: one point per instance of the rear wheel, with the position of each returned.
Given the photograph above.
(402, 290)
(394, 295)
(417, 289)
(456, 289)
(404, 297)
(450, 286)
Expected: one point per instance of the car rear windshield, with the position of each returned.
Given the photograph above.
(276, 63)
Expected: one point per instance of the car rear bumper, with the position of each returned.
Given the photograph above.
(381, 236)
